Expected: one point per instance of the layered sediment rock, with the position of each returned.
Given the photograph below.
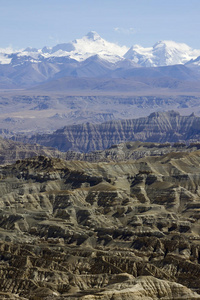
(11, 151)
(118, 230)
(158, 127)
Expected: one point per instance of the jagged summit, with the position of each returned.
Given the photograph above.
(65, 59)
(89, 45)
(93, 35)
(162, 53)
(171, 44)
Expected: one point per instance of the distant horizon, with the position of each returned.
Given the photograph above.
(47, 23)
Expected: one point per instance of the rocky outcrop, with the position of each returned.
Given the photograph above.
(11, 151)
(130, 151)
(106, 230)
(124, 286)
(158, 127)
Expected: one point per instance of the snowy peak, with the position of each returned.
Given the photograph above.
(89, 45)
(163, 53)
(92, 44)
(167, 44)
(140, 55)
(93, 35)
(171, 53)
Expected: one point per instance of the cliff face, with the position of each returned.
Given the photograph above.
(158, 127)
(118, 230)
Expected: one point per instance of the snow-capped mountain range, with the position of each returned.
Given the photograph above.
(94, 57)
(163, 53)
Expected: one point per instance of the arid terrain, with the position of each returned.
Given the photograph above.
(118, 219)
(99, 150)
(123, 229)
(100, 172)
(32, 112)
(158, 127)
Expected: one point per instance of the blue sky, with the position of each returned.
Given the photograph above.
(39, 23)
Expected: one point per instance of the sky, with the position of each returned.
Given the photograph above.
(38, 23)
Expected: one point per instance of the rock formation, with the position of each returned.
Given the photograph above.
(158, 127)
(104, 230)
(130, 150)
(11, 151)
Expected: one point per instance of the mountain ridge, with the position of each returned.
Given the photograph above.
(158, 127)
(93, 57)
(92, 43)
